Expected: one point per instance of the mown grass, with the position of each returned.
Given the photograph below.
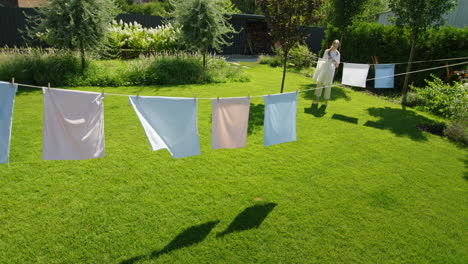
(361, 185)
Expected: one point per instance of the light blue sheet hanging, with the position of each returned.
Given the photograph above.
(169, 123)
(7, 101)
(280, 118)
(384, 75)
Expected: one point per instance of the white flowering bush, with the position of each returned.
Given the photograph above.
(132, 39)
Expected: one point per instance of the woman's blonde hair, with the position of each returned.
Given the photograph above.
(329, 50)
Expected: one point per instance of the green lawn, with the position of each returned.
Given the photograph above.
(361, 185)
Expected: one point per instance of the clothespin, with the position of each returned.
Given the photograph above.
(375, 60)
(13, 82)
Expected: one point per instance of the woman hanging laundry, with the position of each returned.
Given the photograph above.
(325, 71)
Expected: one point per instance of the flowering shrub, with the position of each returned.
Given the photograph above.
(132, 39)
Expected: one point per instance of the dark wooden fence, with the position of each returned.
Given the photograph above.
(12, 20)
(251, 39)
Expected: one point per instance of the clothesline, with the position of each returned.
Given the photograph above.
(413, 62)
(74, 128)
(449, 59)
(299, 91)
(316, 57)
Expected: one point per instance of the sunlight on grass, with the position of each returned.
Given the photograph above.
(361, 185)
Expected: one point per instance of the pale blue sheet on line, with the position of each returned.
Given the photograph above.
(7, 101)
(280, 118)
(169, 123)
(384, 70)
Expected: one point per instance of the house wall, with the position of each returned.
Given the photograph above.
(458, 17)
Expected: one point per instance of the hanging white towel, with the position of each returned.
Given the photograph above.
(324, 72)
(384, 75)
(169, 123)
(73, 125)
(230, 118)
(7, 101)
(280, 118)
(355, 74)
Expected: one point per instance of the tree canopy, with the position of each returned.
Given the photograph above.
(418, 15)
(287, 21)
(203, 24)
(73, 24)
(341, 13)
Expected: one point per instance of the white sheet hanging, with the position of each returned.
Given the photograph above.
(355, 74)
(73, 125)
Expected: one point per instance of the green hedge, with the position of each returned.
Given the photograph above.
(182, 69)
(391, 44)
(64, 69)
(300, 57)
(38, 68)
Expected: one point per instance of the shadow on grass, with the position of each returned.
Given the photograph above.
(336, 93)
(398, 121)
(466, 169)
(344, 118)
(251, 217)
(256, 116)
(316, 111)
(383, 198)
(27, 90)
(189, 237)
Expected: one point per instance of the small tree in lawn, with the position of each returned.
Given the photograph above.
(287, 21)
(203, 24)
(73, 24)
(418, 15)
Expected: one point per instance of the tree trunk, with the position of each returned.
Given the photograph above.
(408, 69)
(82, 54)
(204, 58)
(342, 37)
(285, 62)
